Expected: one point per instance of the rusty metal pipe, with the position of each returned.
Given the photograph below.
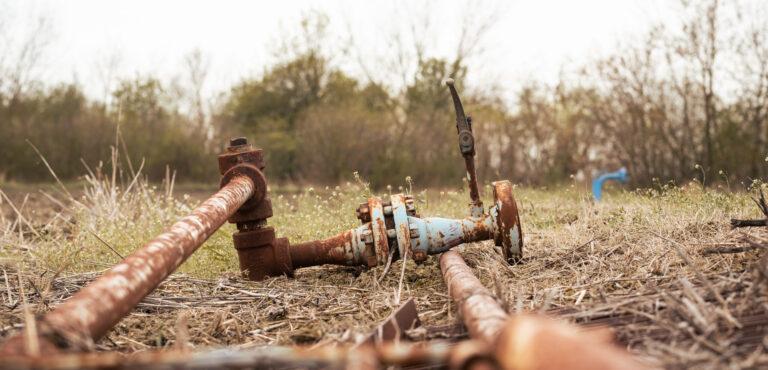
(390, 230)
(482, 315)
(526, 341)
(474, 191)
(336, 250)
(95, 309)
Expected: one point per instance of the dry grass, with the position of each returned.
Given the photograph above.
(582, 256)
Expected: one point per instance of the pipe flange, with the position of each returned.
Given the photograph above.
(379, 230)
(402, 227)
(258, 178)
(508, 234)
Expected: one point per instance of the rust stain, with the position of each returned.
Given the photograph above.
(526, 342)
(379, 230)
(336, 250)
(508, 219)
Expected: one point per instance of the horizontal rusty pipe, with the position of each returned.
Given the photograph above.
(91, 312)
(367, 356)
(424, 236)
(391, 230)
(527, 342)
(336, 250)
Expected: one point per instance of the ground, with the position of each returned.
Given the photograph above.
(636, 261)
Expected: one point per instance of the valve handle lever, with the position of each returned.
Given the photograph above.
(463, 125)
(466, 146)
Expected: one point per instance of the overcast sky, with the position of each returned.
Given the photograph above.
(532, 39)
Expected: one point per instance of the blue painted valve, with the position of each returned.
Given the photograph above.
(391, 229)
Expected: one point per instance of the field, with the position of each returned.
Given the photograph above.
(638, 260)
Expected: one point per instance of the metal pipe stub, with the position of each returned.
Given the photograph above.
(242, 159)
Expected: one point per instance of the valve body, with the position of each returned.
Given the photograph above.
(390, 230)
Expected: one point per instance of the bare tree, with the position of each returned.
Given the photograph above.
(107, 70)
(21, 54)
(752, 78)
(197, 66)
(700, 45)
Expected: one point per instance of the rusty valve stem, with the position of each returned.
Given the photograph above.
(391, 228)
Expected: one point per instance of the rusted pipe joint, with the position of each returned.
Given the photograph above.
(242, 159)
(261, 254)
(391, 229)
(259, 251)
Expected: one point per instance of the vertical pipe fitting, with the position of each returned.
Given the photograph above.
(260, 253)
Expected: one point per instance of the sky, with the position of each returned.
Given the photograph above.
(529, 40)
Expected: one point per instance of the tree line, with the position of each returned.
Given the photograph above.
(686, 101)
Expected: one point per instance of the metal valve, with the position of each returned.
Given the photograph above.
(391, 228)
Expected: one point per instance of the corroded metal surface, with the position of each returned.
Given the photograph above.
(242, 159)
(467, 148)
(393, 233)
(91, 312)
(437, 234)
(482, 315)
(406, 317)
(261, 254)
(342, 249)
(510, 234)
(402, 227)
(378, 228)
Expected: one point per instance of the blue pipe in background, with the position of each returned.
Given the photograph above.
(597, 184)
